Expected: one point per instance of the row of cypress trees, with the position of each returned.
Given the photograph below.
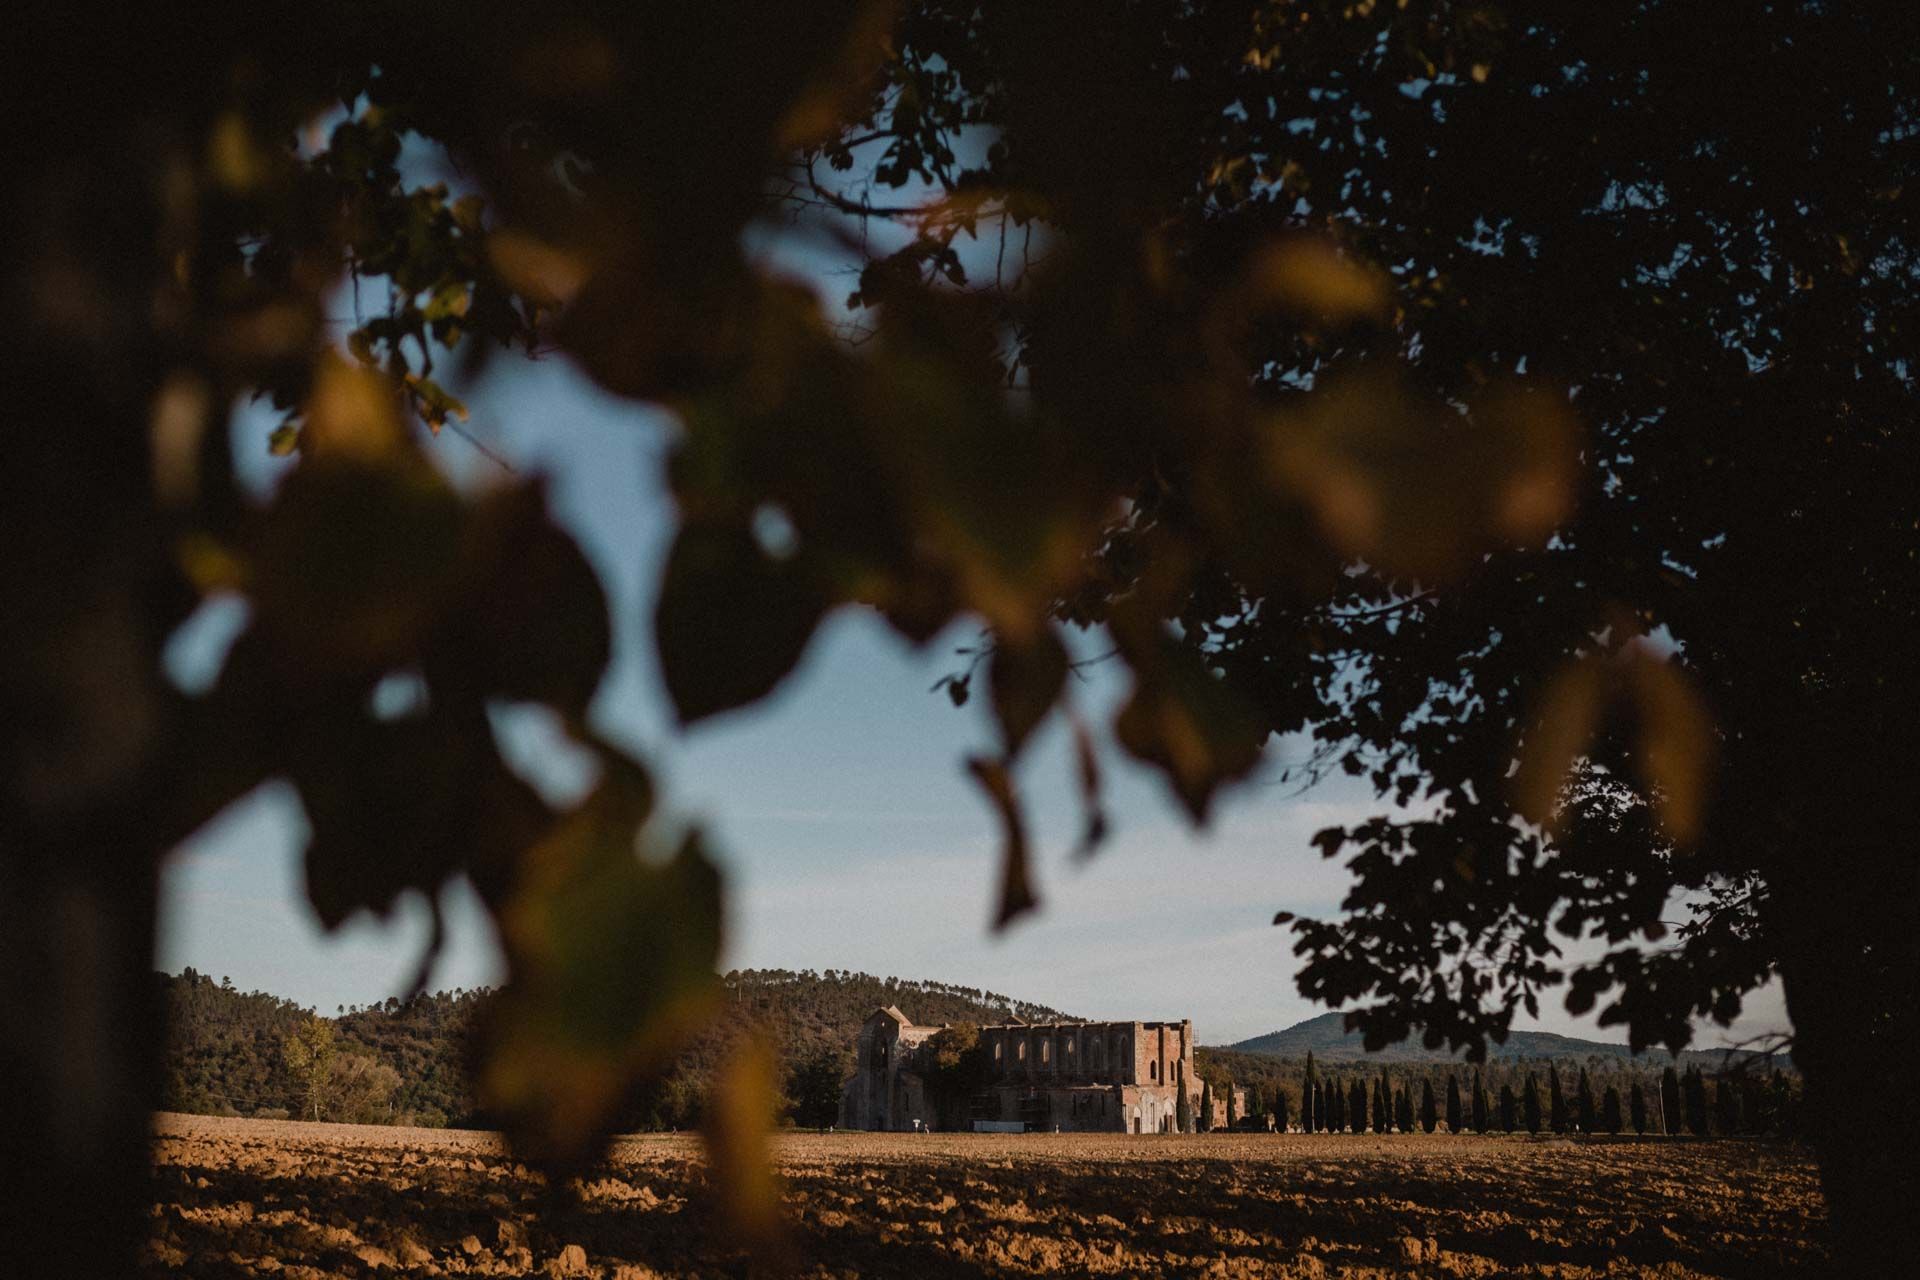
(1689, 1103)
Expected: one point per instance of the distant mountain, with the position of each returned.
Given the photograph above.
(1330, 1041)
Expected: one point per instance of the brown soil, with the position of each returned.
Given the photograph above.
(264, 1197)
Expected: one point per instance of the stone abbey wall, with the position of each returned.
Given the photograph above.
(1119, 1077)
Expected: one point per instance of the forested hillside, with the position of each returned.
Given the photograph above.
(226, 1048)
(1329, 1040)
(226, 1051)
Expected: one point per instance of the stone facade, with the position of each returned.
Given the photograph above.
(1113, 1077)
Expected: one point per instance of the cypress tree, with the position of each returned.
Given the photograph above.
(1206, 1107)
(1479, 1104)
(1753, 1105)
(1183, 1112)
(1584, 1102)
(1233, 1109)
(1610, 1110)
(1780, 1107)
(1696, 1091)
(1637, 1105)
(1557, 1113)
(1530, 1105)
(1381, 1122)
(1507, 1105)
(1403, 1110)
(1670, 1109)
(1323, 1109)
(1453, 1104)
(1429, 1116)
(1280, 1110)
(1386, 1097)
(1726, 1106)
(1358, 1098)
(1336, 1107)
(1310, 1097)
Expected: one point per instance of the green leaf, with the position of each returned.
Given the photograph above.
(611, 944)
(1016, 888)
(1025, 680)
(731, 621)
(532, 622)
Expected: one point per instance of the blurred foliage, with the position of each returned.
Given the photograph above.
(1510, 403)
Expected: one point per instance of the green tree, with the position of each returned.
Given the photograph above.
(1280, 1110)
(360, 1089)
(309, 1053)
(1453, 1104)
(1403, 1110)
(1311, 1113)
(814, 1084)
(1429, 1112)
(1610, 1110)
(1637, 1107)
(1357, 1106)
(1530, 1105)
(1381, 1109)
(1206, 1106)
(1507, 1108)
(1479, 1103)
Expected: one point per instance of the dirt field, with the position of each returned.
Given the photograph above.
(262, 1197)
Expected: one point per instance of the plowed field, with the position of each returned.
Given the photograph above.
(290, 1200)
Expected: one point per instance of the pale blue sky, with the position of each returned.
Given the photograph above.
(850, 838)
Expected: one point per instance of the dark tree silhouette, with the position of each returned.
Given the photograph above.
(1280, 1116)
(1429, 1113)
(1506, 1108)
(1453, 1104)
(1695, 1088)
(1480, 1108)
(1671, 1108)
(1583, 1103)
(1557, 1112)
(1530, 1105)
(1638, 1107)
(1610, 1110)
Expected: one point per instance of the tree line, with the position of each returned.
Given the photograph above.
(1518, 1097)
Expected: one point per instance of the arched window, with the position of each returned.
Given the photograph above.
(1046, 1051)
(1020, 1051)
(1153, 1071)
(997, 1052)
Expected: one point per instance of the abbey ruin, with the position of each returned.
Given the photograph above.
(1114, 1077)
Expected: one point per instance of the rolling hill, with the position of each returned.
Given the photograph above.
(1329, 1040)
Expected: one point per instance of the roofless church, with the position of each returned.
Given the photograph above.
(1102, 1077)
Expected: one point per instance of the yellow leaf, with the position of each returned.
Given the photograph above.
(1314, 277)
(739, 1111)
(1676, 747)
(539, 272)
(1565, 717)
(352, 413)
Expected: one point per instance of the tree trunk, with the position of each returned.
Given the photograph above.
(77, 1061)
(1850, 934)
